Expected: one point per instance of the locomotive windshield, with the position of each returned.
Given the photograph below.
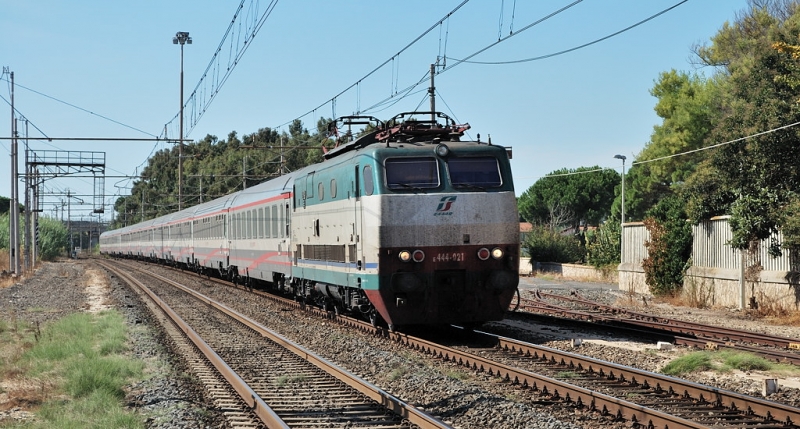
(412, 173)
(479, 171)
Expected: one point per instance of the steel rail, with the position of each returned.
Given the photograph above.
(684, 327)
(605, 404)
(388, 401)
(636, 328)
(732, 400)
(247, 394)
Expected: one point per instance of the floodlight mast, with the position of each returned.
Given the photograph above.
(181, 38)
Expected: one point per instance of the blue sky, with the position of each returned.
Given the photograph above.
(117, 60)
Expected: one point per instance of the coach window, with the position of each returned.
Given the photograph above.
(333, 188)
(275, 224)
(369, 184)
(266, 222)
(412, 173)
(321, 189)
(237, 226)
(260, 222)
(474, 172)
(249, 224)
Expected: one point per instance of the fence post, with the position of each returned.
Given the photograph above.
(742, 291)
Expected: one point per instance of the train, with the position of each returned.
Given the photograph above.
(408, 224)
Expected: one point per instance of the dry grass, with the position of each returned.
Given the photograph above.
(7, 280)
(790, 319)
(4, 261)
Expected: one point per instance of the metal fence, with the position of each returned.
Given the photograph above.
(716, 264)
(710, 247)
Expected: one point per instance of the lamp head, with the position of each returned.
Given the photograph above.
(622, 157)
(181, 37)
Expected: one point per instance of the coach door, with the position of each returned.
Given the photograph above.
(356, 249)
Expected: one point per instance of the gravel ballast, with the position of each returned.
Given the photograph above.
(172, 399)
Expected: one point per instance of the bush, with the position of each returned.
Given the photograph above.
(669, 248)
(603, 246)
(546, 245)
(53, 236)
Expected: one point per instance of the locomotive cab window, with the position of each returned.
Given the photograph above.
(474, 172)
(412, 173)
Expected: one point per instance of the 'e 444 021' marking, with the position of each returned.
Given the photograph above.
(449, 257)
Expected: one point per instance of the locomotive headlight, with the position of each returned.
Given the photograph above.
(404, 255)
(442, 150)
(483, 254)
(418, 256)
(497, 253)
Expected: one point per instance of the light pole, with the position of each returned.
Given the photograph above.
(622, 221)
(622, 157)
(181, 38)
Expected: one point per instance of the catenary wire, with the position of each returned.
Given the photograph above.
(541, 57)
(81, 109)
(381, 65)
(794, 124)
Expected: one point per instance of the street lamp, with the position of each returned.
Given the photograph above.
(181, 38)
(622, 157)
(622, 222)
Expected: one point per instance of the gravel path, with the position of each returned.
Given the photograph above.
(174, 401)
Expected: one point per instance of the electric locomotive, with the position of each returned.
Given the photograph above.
(405, 225)
(426, 233)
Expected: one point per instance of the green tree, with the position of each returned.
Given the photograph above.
(5, 203)
(570, 197)
(685, 104)
(544, 244)
(753, 179)
(214, 168)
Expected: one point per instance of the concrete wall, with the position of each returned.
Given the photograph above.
(571, 271)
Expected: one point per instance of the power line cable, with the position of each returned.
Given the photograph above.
(23, 116)
(541, 57)
(717, 145)
(333, 99)
(247, 43)
(407, 91)
(81, 109)
(794, 124)
(537, 22)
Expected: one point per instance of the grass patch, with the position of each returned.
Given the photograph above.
(397, 373)
(563, 375)
(285, 380)
(72, 373)
(724, 361)
(457, 375)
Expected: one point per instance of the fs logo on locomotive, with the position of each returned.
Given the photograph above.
(445, 204)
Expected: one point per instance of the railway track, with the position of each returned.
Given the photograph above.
(619, 393)
(691, 334)
(268, 380)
